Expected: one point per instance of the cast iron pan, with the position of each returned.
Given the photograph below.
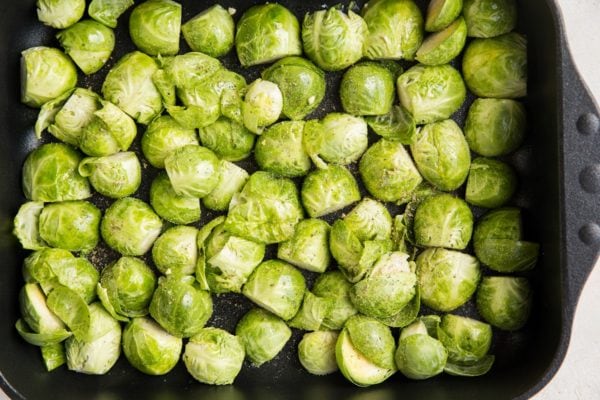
(559, 186)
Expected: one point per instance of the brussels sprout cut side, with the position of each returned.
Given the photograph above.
(441, 13)
(89, 44)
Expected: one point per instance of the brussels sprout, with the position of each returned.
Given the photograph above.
(154, 27)
(395, 29)
(467, 340)
(329, 190)
(175, 251)
(309, 247)
(338, 138)
(210, 32)
(279, 150)
(71, 309)
(407, 315)
(398, 124)
(262, 105)
(70, 225)
(266, 33)
(171, 206)
(367, 88)
(48, 112)
(53, 356)
(37, 315)
(334, 40)
(162, 137)
(388, 171)
(187, 71)
(179, 306)
(111, 130)
(441, 13)
(129, 86)
(419, 356)
(60, 13)
(491, 183)
(26, 225)
(277, 287)
(231, 181)
(302, 85)
(214, 356)
(266, 210)
(447, 278)
(369, 220)
(108, 11)
(312, 312)
(263, 335)
(202, 109)
(504, 301)
(316, 352)
(40, 266)
(100, 350)
(75, 114)
(332, 285)
(229, 140)
(489, 18)
(118, 175)
(443, 221)
(89, 44)
(149, 348)
(193, 170)
(431, 93)
(46, 73)
(495, 127)
(443, 46)
(497, 67)
(130, 226)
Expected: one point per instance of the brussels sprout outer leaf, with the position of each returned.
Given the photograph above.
(478, 368)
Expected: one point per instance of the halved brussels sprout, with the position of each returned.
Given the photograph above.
(74, 116)
(489, 18)
(130, 226)
(110, 130)
(108, 11)
(171, 206)
(154, 27)
(491, 183)
(328, 190)
(419, 356)
(279, 150)
(263, 335)
(309, 247)
(266, 33)
(369, 220)
(312, 312)
(180, 306)
(262, 105)
(504, 301)
(229, 139)
(316, 352)
(150, 348)
(431, 93)
(162, 137)
(26, 225)
(495, 127)
(302, 85)
(46, 73)
(214, 356)
(70, 225)
(193, 170)
(36, 314)
(332, 285)
(467, 340)
(447, 278)
(367, 88)
(332, 39)
(175, 251)
(388, 172)
(497, 67)
(277, 287)
(210, 32)
(190, 70)
(443, 221)
(395, 29)
(441, 13)
(60, 13)
(231, 181)
(398, 124)
(89, 44)
(445, 45)
(118, 175)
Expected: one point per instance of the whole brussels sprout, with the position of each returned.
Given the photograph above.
(263, 335)
(70, 225)
(175, 251)
(154, 27)
(231, 181)
(504, 301)
(398, 125)
(89, 44)
(130, 226)
(277, 287)
(329, 189)
(149, 348)
(489, 18)
(46, 73)
(419, 355)
(491, 183)
(193, 170)
(332, 39)
(26, 226)
(447, 278)
(442, 155)
(367, 88)
(171, 206)
(441, 13)
(60, 13)
(36, 314)
(162, 137)
(467, 340)
(316, 352)
(108, 11)
(445, 45)
(388, 172)
(431, 93)
(262, 105)
(279, 150)
(443, 221)
(210, 32)
(395, 29)
(266, 33)
(110, 130)
(302, 85)
(497, 67)
(118, 175)
(332, 285)
(214, 356)
(495, 127)
(180, 306)
(228, 139)
(309, 247)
